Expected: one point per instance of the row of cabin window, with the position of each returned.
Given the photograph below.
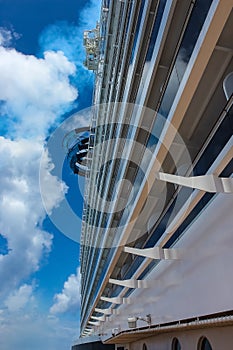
(203, 344)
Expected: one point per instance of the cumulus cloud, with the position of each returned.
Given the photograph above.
(32, 329)
(68, 300)
(21, 210)
(34, 92)
(7, 36)
(68, 38)
(19, 298)
(34, 95)
(52, 188)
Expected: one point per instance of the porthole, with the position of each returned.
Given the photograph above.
(176, 344)
(204, 344)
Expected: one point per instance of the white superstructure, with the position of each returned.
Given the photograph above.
(157, 232)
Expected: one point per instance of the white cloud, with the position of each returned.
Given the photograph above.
(90, 15)
(19, 298)
(34, 92)
(68, 300)
(68, 37)
(53, 189)
(32, 329)
(7, 36)
(21, 210)
(21, 216)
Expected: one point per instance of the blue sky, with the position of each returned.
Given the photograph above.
(42, 83)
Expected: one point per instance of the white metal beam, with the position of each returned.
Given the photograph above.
(130, 283)
(208, 183)
(115, 300)
(94, 323)
(104, 311)
(154, 253)
(98, 318)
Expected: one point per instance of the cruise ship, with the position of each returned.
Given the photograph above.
(157, 225)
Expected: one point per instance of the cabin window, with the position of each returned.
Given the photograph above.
(204, 344)
(176, 344)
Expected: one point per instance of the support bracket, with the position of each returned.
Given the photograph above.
(104, 311)
(98, 318)
(208, 183)
(94, 323)
(130, 283)
(116, 300)
(156, 253)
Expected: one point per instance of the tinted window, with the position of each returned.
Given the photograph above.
(204, 344)
(176, 344)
